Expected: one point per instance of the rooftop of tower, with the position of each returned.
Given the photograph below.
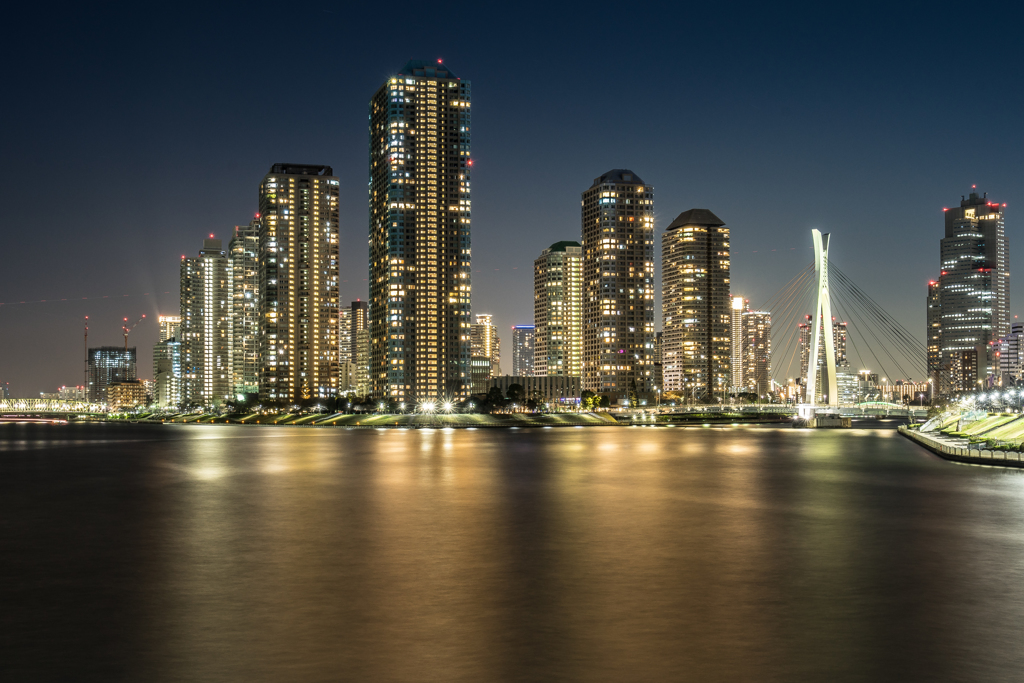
(702, 217)
(561, 246)
(618, 175)
(418, 67)
(302, 169)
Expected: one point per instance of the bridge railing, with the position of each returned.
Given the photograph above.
(42, 405)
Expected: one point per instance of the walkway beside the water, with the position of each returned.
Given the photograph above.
(959, 450)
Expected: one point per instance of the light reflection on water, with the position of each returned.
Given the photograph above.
(599, 554)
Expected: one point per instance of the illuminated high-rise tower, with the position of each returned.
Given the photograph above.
(420, 271)
(974, 293)
(618, 286)
(737, 343)
(206, 326)
(558, 311)
(522, 350)
(243, 251)
(757, 352)
(170, 327)
(298, 283)
(695, 304)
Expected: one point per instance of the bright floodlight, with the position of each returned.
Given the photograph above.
(447, 406)
(427, 406)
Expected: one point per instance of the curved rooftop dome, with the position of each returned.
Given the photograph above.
(702, 217)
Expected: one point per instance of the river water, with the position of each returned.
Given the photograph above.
(233, 553)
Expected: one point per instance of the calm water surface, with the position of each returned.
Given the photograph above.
(220, 553)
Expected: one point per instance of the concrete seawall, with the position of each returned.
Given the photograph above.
(936, 444)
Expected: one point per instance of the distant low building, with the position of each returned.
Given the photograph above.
(555, 388)
(67, 393)
(125, 395)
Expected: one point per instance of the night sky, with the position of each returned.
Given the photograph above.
(130, 133)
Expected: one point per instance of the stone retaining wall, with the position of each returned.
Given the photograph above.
(972, 455)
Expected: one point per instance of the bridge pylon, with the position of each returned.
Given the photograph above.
(822, 319)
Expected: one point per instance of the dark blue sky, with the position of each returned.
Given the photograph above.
(129, 133)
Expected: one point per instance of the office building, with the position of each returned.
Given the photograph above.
(558, 310)
(170, 327)
(298, 282)
(695, 304)
(848, 385)
(737, 341)
(618, 286)
(243, 252)
(523, 337)
(974, 292)
(167, 374)
(420, 274)
(206, 328)
(5, 389)
(108, 365)
(1011, 354)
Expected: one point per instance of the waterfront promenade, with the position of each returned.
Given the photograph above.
(960, 449)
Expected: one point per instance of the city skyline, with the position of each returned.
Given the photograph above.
(756, 150)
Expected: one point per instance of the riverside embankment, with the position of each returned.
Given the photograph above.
(960, 450)
(454, 420)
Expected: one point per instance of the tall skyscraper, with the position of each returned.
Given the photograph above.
(243, 252)
(485, 352)
(974, 291)
(737, 343)
(659, 366)
(618, 285)
(167, 373)
(420, 235)
(839, 337)
(523, 337)
(170, 327)
(695, 303)
(485, 342)
(558, 311)
(757, 352)
(298, 283)
(206, 326)
(109, 365)
(358, 319)
(356, 330)
(934, 333)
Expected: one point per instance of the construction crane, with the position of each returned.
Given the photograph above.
(127, 330)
